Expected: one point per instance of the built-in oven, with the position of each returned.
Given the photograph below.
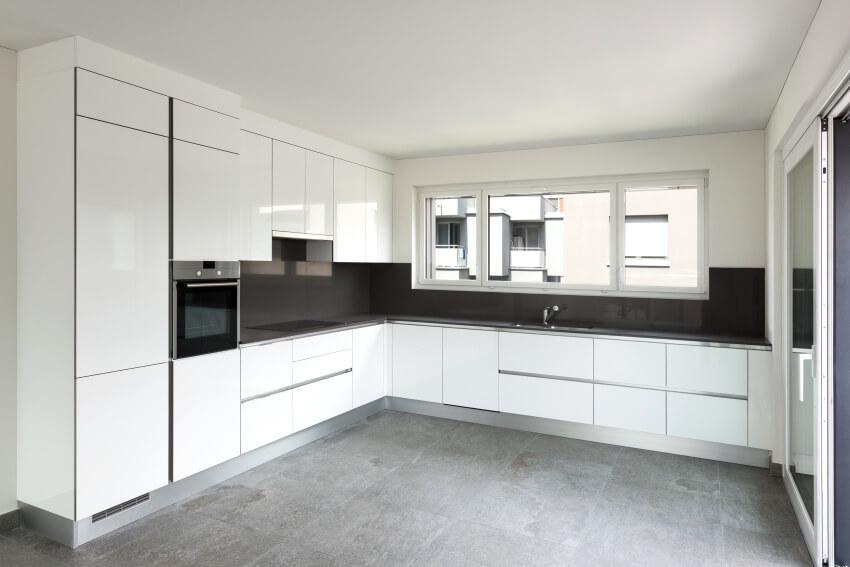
(205, 307)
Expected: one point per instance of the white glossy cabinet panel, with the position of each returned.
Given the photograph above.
(318, 345)
(319, 366)
(206, 204)
(379, 216)
(569, 357)
(206, 127)
(122, 248)
(629, 408)
(546, 397)
(707, 369)
(350, 212)
(320, 401)
(629, 362)
(255, 190)
(759, 403)
(707, 418)
(265, 420)
(471, 368)
(319, 194)
(290, 177)
(121, 103)
(418, 362)
(206, 412)
(122, 437)
(368, 368)
(266, 368)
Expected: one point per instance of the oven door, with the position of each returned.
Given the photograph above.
(206, 317)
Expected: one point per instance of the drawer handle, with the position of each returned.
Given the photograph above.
(293, 386)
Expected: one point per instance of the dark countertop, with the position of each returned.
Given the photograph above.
(251, 336)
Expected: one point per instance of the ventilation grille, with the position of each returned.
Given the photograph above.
(120, 507)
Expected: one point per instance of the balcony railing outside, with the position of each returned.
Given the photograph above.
(450, 256)
(528, 258)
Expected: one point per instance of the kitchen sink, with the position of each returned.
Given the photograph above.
(569, 328)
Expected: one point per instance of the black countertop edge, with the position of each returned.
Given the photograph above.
(253, 337)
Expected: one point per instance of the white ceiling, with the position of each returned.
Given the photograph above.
(409, 78)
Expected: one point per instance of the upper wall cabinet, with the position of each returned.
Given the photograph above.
(198, 125)
(303, 191)
(255, 184)
(120, 103)
(363, 213)
(319, 194)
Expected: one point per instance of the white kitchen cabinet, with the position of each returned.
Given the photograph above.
(629, 362)
(206, 204)
(266, 368)
(319, 401)
(707, 369)
(117, 102)
(265, 420)
(708, 418)
(121, 248)
(199, 125)
(471, 368)
(290, 177)
(255, 191)
(527, 353)
(319, 194)
(379, 216)
(317, 345)
(546, 397)
(368, 368)
(629, 408)
(418, 362)
(206, 412)
(121, 437)
(759, 401)
(349, 212)
(321, 366)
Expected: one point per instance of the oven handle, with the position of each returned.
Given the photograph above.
(213, 284)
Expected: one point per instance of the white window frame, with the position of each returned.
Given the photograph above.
(615, 184)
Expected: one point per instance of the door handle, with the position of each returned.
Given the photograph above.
(801, 369)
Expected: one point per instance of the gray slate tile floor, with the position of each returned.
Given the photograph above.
(403, 489)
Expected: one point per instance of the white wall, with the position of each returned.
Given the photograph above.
(735, 161)
(820, 64)
(8, 279)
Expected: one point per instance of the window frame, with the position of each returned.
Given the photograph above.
(616, 185)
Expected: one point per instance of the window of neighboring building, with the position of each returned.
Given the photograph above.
(646, 240)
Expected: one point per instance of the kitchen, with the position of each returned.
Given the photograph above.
(327, 232)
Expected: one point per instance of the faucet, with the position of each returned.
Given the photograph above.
(549, 313)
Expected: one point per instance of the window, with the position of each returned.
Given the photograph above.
(640, 237)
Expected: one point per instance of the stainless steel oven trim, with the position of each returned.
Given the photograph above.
(212, 284)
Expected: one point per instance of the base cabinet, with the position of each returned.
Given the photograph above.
(546, 397)
(471, 368)
(707, 418)
(320, 401)
(206, 412)
(629, 408)
(418, 363)
(265, 420)
(122, 437)
(368, 368)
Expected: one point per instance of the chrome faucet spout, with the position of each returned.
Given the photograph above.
(549, 313)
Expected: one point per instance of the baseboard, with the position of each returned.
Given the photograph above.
(586, 432)
(10, 520)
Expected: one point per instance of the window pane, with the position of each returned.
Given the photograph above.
(557, 238)
(661, 236)
(450, 238)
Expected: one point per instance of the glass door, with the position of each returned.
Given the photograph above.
(805, 436)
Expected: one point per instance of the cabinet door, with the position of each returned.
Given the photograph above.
(290, 176)
(546, 397)
(206, 406)
(759, 402)
(471, 368)
(122, 248)
(320, 401)
(265, 420)
(418, 363)
(266, 368)
(629, 408)
(629, 362)
(319, 194)
(199, 125)
(117, 102)
(206, 207)
(368, 371)
(122, 436)
(379, 216)
(707, 418)
(350, 212)
(326, 343)
(707, 369)
(255, 190)
(321, 366)
(568, 357)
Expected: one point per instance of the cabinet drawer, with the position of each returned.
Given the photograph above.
(266, 368)
(265, 420)
(707, 369)
(319, 366)
(206, 127)
(121, 103)
(570, 357)
(318, 345)
(707, 418)
(319, 401)
(630, 362)
(546, 397)
(629, 408)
